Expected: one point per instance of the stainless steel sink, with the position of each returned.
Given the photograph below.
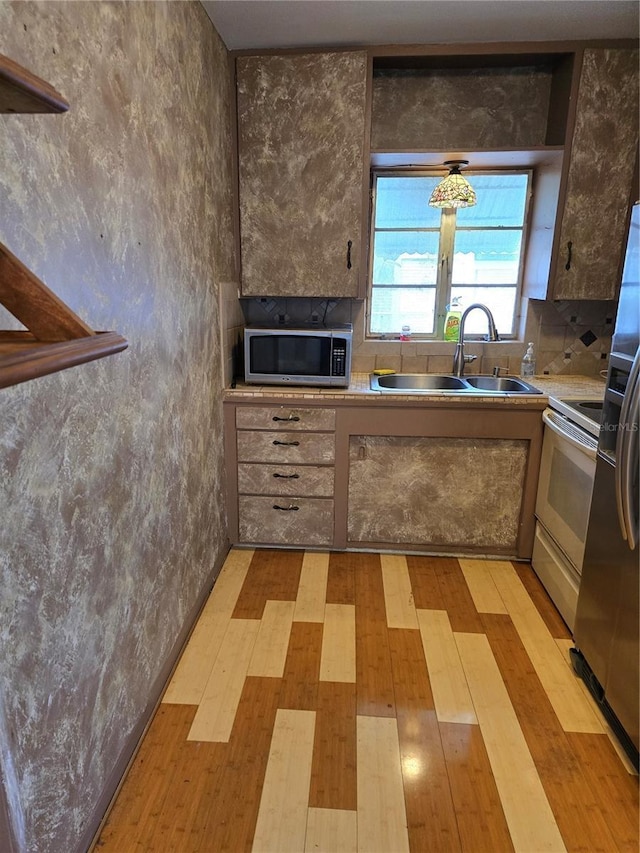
(417, 382)
(425, 383)
(508, 384)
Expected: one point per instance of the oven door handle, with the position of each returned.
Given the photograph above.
(550, 421)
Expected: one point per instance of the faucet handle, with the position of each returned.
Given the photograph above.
(469, 358)
(496, 370)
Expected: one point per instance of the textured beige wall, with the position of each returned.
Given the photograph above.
(111, 474)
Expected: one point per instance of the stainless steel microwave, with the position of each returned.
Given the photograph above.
(300, 355)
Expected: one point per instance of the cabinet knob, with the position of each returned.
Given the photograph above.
(290, 508)
(287, 443)
(290, 418)
(287, 476)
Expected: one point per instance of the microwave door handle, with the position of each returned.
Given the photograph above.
(630, 429)
(624, 459)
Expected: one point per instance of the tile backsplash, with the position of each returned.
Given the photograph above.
(570, 337)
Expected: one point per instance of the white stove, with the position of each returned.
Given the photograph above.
(565, 486)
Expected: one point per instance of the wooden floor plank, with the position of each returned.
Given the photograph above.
(195, 665)
(217, 710)
(481, 585)
(382, 819)
(431, 819)
(456, 598)
(398, 595)
(282, 817)
(451, 695)
(302, 667)
(561, 685)
(565, 646)
(438, 584)
(312, 590)
(574, 802)
(338, 660)
(331, 831)
(341, 588)
(148, 782)
(480, 817)
(540, 597)
(424, 572)
(531, 822)
(615, 790)
(272, 575)
(333, 774)
(374, 678)
(228, 806)
(272, 642)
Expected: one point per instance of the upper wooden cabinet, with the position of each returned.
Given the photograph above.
(594, 209)
(302, 138)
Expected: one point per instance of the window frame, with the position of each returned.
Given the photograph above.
(447, 234)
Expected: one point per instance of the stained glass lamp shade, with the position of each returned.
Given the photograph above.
(454, 190)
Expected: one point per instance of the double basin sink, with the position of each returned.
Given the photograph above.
(424, 383)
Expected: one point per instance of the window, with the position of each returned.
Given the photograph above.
(423, 258)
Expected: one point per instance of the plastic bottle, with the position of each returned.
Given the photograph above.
(405, 334)
(452, 320)
(528, 365)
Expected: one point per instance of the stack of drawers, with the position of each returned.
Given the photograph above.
(285, 475)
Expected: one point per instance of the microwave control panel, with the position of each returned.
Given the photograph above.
(339, 357)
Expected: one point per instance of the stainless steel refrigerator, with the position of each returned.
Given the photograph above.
(606, 630)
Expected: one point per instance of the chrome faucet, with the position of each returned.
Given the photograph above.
(460, 359)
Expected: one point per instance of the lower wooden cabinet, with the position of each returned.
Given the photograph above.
(426, 477)
(436, 491)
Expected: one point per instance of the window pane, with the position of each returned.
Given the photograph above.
(501, 201)
(404, 203)
(486, 257)
(501, 301)
(393, 307)
(405, 257)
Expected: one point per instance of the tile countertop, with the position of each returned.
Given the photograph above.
(586, 387)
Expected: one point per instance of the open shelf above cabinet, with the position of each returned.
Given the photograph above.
(54, 337)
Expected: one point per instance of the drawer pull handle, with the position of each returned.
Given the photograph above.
(290, 418)
(290, 508)
(567, 266)
(287, 476)
(287, 443)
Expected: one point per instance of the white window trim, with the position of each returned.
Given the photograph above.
(447, 234)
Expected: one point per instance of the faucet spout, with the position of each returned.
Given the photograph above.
(460, 359)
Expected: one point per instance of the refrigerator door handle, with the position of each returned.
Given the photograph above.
(625, 456)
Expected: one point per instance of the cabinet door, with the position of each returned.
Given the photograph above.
(458, 492)
(603, 156)
(301, 136)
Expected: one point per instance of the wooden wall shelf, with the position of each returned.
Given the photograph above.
(55, 337)
(22, 358)
(23, 92)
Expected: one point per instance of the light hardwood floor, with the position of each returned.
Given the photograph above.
(376, 704)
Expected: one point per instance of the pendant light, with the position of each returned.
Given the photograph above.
(454, 190)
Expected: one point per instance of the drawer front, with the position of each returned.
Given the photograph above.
(310, 480)
(286, 447)
(285, 417)
(310, 524)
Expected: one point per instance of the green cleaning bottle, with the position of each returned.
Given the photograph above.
(452, 320)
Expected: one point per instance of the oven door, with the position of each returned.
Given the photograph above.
(567, 471)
